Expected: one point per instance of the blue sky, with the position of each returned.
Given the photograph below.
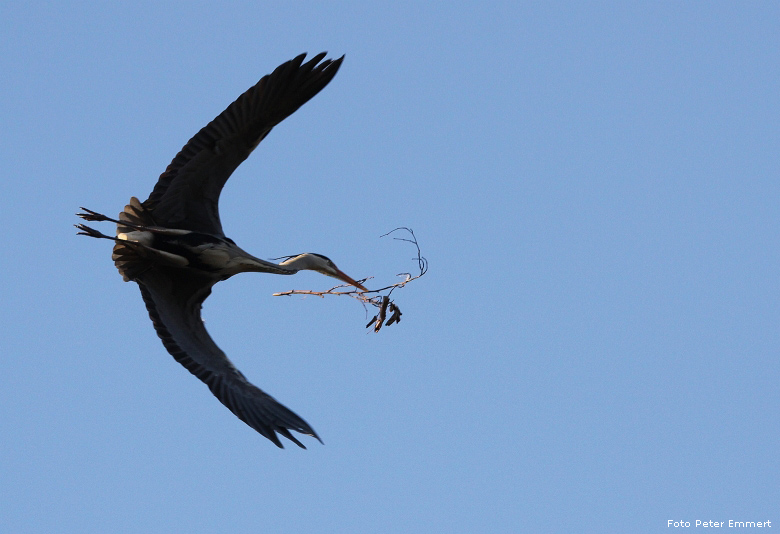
(594, 349)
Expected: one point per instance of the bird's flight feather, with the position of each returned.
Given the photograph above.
(173, 299)
(186, 197)
(187, 193)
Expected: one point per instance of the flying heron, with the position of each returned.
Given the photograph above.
(172, 245)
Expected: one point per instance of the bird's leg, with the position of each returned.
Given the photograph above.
(160, 257)
(90, 215)
(91, 232)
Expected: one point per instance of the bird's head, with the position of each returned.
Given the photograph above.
(317, 262)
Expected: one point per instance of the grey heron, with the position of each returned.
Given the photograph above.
(172, 245)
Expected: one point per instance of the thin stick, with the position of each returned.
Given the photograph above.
(380, 300)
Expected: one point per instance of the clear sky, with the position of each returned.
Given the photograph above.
(596, 347)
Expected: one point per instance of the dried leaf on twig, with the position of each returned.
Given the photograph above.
(381, 299)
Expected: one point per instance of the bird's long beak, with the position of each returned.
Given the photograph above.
(344, 278)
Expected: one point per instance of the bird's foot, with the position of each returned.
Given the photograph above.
(91, 232)
(90, 215)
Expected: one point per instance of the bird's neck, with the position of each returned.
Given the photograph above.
(249, 264)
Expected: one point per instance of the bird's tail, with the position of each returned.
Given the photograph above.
(131, 258)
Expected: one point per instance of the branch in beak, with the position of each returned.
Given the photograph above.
(344, 278)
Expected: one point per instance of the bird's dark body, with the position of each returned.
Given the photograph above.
(173, 245)
(192, 246)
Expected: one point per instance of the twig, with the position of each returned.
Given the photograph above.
(381, 301)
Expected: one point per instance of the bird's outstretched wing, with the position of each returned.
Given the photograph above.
(173, 298)
(187, 194)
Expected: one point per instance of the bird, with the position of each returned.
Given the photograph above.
(173, 246)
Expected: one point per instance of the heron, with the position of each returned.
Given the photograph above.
(173, 246)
